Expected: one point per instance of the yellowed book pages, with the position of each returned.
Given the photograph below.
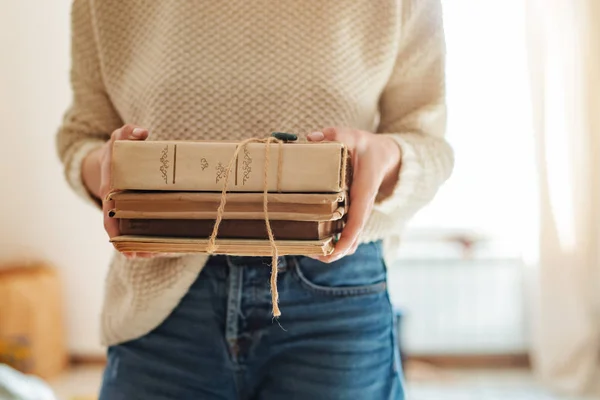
(232, 197)
(306, 167)
(235, 247)
(241, 203)
(228, 214)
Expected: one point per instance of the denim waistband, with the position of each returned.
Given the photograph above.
(247, 261)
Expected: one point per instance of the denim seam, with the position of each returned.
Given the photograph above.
(234, 297)
(397, 368)
(336, 291)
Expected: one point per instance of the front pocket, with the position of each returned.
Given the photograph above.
(361, 273)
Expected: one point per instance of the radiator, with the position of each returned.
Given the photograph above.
(456, 304)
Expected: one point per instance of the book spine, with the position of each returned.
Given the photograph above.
(229, 229)
(239, 215)
(236, 247)
(197, 206)
(202, 166)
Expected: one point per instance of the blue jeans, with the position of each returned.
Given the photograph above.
(335, 338)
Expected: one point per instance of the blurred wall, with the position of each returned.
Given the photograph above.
(40, 218)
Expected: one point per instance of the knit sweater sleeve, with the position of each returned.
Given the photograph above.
(91, 117)
(413, 113)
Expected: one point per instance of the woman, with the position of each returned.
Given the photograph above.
(369, 73)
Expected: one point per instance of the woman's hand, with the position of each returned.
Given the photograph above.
(96, 176)
(376, 161)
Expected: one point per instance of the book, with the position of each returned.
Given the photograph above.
(234, 247)
(239, 215)
(302, 167)
(230, 229)
(203, 205)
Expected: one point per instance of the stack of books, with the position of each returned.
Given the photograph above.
(211, 196)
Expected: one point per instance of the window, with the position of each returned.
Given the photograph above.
(491, 190)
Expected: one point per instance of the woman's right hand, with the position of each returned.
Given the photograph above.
(96, 176)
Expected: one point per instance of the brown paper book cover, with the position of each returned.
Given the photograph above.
(230, 229)
(305, 167)
(275, 216)
(153, 202)
(235, 247)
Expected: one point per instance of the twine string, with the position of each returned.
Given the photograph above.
(211, 248)
(345, 166)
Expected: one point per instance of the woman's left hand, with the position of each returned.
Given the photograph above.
(376, 161)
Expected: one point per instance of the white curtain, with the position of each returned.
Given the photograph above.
(564, 49)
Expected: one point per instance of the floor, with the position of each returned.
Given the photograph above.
(505, 384)
(424, 384)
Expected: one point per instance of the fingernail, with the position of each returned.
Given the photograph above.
(337, 257)
(138, 132)
(316, 136)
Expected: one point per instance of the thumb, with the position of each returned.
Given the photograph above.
(315, 136)
(325, 134)
(138, 134)
(126, 132)
(130, 132)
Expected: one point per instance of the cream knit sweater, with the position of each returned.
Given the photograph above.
(237, 69)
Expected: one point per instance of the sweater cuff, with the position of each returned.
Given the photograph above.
(426, 164)
(74, 168)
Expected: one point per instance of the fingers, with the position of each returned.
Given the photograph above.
(353, 139)
(369, 169)
(331, 134)
(362, 197)
(362, 192)
(140, 254)
(315, 137)
(354, 247)
(137, 254)
(111, 225)
(130, 132)
(127, 132)
(333, 258)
